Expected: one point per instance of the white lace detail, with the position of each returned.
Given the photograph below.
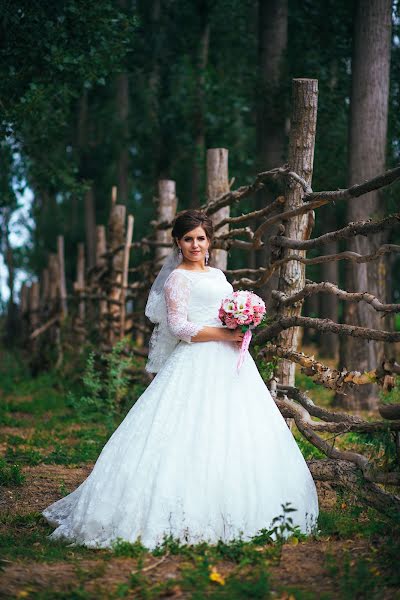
(204, 454)
(177, 290)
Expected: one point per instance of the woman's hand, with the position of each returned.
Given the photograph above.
(236, 335)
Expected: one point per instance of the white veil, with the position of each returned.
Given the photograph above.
(162, 342)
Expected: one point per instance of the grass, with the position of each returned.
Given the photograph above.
(25, 537)
(10, 474)
(319, 394)
(40, 427)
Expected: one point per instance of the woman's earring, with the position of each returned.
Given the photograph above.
(207, 256)
(180, 252)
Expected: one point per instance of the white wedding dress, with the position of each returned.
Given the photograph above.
(204, 454)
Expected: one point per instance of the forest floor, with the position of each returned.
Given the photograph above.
(46, 451)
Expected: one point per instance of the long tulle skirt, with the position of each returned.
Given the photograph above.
(203, 455)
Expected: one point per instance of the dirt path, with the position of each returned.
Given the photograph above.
(302, 566)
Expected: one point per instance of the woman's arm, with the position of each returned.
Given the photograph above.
(177, 290)
(217, 334)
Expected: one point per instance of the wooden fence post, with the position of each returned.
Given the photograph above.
(166, 210)
(53, 283)
(300, 159)
(101, 261)
(44, 290)
(61, 274)
(116, 243)
(125, 267)
(79, 288)
(218, 184)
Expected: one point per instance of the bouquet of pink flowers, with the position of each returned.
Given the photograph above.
(242, 309)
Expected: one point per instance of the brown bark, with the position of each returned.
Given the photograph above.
(367, 144)
(301, 158)
(166, 211)
(53, 282)
(343, 474)
(155, 48)
(271, 109)
(61, 273)
(122, 85)
(218, 184)
(85, 175)
(34, 303)
(199, 108)
(116, 241)
(125, 268)
(80, 282)
(90, 227)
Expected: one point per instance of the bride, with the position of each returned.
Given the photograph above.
(204, 454)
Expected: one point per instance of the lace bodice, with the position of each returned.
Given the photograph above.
(193, 299)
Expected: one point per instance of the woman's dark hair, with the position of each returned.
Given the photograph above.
(190, 219)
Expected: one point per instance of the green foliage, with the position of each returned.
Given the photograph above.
(353, 575)
(121, 547)
(379, 446)
(106, 386)
(308, 450)
(392, 397)
(10, 474)
(321, 395)
(25, 537)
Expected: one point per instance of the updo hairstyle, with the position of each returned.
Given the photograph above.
(188, 220)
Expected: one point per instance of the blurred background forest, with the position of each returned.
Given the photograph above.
(96, 94)
(122, 94)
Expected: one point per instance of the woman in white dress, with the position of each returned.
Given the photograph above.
(204, 454)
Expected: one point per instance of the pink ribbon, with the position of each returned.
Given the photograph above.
(244, 347)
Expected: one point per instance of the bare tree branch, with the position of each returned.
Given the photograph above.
(276, 204)
(324, 325)
(244, 191)
(232, 232)
(327, 376)
(359, 228)
(290, 409)
(355, 191)
(344, 474)
(331, 288)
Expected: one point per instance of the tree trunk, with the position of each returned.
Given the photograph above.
(155, 48)
(166, 211)
(300, 159)
(90, 228)
(85, 176)
(218, 184)
(367, 141)
(199, 108)
(271, 109)
(122, 101)
(116, 228)
(123, 122)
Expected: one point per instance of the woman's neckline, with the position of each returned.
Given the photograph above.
(190, 270)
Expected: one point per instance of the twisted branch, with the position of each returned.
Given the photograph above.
(329, 377)
(331, 288)
(348, 255)
(305, 425)
(324, 325)
(359, 228)
(252, 215)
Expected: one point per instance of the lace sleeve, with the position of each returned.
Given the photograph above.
(177, 290)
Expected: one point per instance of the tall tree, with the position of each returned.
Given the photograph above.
(271, 105)
(367, 154)
(122, 101)
(201, 61)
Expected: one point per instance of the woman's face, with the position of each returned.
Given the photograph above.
(194, 245)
